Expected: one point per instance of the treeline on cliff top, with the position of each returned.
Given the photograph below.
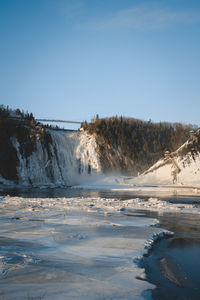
(132, 145)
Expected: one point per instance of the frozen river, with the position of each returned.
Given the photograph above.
(81, 244)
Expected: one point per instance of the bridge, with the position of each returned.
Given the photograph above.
(58, 121)
(50, 120)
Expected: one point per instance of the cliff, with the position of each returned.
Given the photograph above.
(32, 154)
(130, 146)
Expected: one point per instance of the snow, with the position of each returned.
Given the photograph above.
(155, 204)
(181, 167)
(66, 248)
(74, 160)
(190, 174)
(85, 247)
(162, 174)
(138, 185)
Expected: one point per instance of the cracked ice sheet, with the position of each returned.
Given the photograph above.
(77, 248)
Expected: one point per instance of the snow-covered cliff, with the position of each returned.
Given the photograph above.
(69, 158)
(32, 154)
(179, 167)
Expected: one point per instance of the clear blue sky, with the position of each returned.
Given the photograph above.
(72, 59)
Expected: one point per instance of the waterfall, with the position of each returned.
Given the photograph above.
(70, 159)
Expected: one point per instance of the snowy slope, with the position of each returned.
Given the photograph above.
(179, 167)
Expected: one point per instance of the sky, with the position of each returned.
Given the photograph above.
(73, 59)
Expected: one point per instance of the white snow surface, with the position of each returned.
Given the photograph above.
(177, 168)
(163, 175)
(73, 161)
(74, 248)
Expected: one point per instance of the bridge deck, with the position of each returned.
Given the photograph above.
(59, 121)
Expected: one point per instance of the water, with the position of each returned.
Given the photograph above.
(173, 265)
(79, 244)
(54, 192)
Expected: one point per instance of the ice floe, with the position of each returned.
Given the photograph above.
(74, 248)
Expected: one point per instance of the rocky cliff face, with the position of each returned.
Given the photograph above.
(31, 154)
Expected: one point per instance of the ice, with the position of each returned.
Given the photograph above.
(5, 181)
(141, 184)
(71, 159)
(73, 248)
(79, 247)
(155, 204)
